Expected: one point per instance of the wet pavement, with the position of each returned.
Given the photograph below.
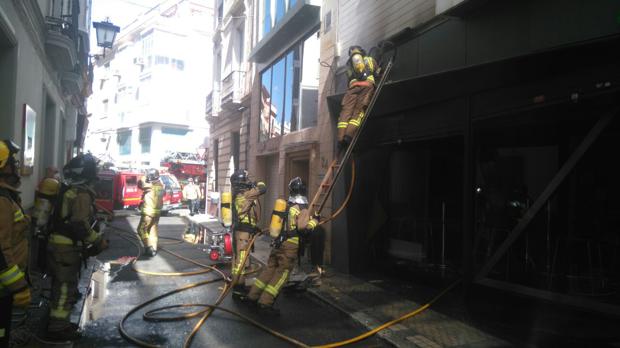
(116, 289)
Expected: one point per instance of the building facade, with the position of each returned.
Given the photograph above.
(45, 79)
(485, 154)
(228, 104)
(149, 91)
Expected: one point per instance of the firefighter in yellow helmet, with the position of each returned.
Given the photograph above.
(14, 224)
(152, 202)
(361, 73)
(285, 250)
(74, 237)
(245, 220)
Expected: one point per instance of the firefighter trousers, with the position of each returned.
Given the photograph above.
(64, 262)
(354, 105)
(6, 303)
(270, 281)
(148, 230)
(242, 240)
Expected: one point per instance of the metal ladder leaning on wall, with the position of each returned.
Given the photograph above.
(336, 166)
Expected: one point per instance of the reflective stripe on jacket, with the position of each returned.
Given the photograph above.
(299, 219)
(14, 225)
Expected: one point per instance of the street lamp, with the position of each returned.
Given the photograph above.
(106, 33)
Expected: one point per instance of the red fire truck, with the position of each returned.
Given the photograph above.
(185, 165)
(119, 190)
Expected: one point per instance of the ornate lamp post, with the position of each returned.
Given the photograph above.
(106, 33)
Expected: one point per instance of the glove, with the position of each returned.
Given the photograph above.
(22, 298)
(277, 242)
(317, 217)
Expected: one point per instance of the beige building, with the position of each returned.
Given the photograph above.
(44, 79)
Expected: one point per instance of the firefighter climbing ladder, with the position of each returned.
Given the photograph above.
(336, 166)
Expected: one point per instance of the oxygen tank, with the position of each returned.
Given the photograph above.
(277, 218)
(44, 201)
(225, 209)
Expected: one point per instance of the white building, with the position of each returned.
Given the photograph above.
(149, 91)
(44, 78)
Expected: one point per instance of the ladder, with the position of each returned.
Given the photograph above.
(336, 166)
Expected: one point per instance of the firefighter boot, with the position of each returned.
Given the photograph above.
(268, 310)
(239, 291)
(150, 251)
(69, 333)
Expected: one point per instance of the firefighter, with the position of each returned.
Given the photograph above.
(152, 202)
(245, 219)
(284, 253)
(74, 237)
(361, 73)
(14, 224)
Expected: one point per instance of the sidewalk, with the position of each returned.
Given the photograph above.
(373, 306)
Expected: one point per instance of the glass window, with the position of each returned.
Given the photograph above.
(267, 17)
(145, 140)
(289, 91)
(280, 10)
(288, 95)
(277, 96)
(266, 115)
(124, 143)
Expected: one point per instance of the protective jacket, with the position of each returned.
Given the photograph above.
(299, 219)
(74, 217)
(152, 198)
(245, 206)
(13, 242)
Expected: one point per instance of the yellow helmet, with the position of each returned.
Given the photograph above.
(8, 149)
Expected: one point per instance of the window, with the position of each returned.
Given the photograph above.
(267, 17)
(280, 10)
(124, 142)
(235, 148)
(161, 60)
(145, 140)
(289, 91)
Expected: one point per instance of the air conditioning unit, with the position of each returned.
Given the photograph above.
(138, 61)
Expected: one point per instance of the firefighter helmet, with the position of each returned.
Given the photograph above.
(152, 175)
(8, 152)
(239, 178)
(356, 50)
(81, 168)
(296, 187)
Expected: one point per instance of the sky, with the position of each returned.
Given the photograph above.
(119, 12)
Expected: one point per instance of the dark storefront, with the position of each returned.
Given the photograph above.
(501, 173)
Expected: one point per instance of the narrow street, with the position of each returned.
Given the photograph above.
(303, 316)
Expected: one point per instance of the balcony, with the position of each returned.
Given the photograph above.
(60, 44)
(233, 89)
(212, 108)
(71, 82)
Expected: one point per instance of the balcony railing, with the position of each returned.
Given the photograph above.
(233, 88)
(213, 103)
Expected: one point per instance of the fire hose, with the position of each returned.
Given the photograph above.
(209, 308)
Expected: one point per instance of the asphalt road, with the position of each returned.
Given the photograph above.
(303, 316)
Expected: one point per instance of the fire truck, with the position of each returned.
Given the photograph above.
(118, 189)
(185, 165)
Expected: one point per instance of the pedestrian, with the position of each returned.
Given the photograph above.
(14, 225)
(361, 73)
(150, 209)
(191, 193)
(245, 220)
(284, 253)
(74, 237)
